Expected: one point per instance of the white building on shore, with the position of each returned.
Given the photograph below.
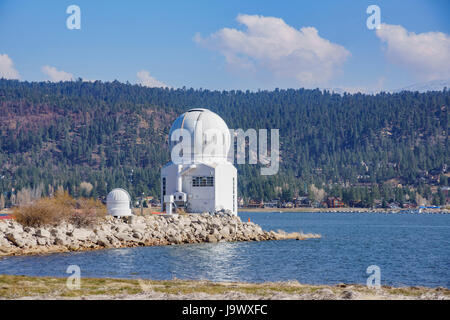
(199, 176)
(118, 203)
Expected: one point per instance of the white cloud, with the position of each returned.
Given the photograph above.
(56, 75)
(426, 54)
(147, 80)
(7, 70)
(269, 44)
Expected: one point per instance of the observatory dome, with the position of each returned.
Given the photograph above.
(210, 136)
(118, 203)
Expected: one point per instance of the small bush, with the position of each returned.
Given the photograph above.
(87, 212)
(61, 208)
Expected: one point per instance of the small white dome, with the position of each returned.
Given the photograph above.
(118, 202)
(205, 128)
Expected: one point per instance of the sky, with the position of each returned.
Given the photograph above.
(224, 45)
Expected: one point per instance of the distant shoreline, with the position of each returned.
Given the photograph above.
(154, 210)
(345, 209)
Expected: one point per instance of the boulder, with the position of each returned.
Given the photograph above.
(29, 230)
(225, 231)
(211, 238)
(103, 241)
(141, 227)
(137, 235)
(202, 235)
(15, 227)
(41, 241)
(176, 239)
(324, 293)
(122, 236)
(349, 294)
(43, 233)
(81, 234)
(3, 226)
(61, 240)
(16, 238)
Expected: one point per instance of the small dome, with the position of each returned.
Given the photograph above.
(118, 202)
(205, 128)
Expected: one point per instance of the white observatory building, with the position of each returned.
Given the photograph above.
(199, 178)
(118, 203)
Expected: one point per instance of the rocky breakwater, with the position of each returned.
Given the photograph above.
(134, 231)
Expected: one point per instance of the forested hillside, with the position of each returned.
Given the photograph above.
(104, 135)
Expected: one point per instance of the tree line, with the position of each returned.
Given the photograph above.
(112, 134)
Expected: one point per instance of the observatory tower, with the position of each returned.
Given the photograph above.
(118, 203)
(199, 176)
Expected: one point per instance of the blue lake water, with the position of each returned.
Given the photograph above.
(410, 249)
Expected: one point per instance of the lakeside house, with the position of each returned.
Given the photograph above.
(335, 202)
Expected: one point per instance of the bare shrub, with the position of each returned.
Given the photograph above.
(87, 212)
(85, 188)
(26, 196)
(43, 212)
(316, 193)
(61, 208)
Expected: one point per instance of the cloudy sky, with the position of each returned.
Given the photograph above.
(246, 44)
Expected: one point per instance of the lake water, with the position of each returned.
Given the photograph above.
(410, 249)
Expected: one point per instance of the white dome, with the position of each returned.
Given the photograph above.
(210, 136)
(118, 202)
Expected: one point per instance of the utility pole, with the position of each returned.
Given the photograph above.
(142, 204)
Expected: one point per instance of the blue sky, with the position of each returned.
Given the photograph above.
(118, 39)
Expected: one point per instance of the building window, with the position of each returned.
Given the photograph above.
(163, 186)
(203, 181)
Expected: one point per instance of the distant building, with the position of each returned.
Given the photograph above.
(255, 204)
(240, 202)
(288, 204)
(118, 203)
(409, 205)
(272, 204)
(356, 204)
(302, 202)
(334, 202)
(394, 205)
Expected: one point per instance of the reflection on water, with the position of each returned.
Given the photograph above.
(409, 249)
(219, 261)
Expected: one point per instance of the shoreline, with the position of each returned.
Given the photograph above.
(42, 288)
(344, 210)
(134, 231)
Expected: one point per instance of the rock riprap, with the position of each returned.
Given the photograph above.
(135, 231)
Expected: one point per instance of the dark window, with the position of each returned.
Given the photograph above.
(164, 186)
(203, 181)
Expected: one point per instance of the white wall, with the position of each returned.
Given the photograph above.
(225, 172)
(203, 199)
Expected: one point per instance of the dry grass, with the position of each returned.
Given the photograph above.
(62, 207)
(23, 286)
